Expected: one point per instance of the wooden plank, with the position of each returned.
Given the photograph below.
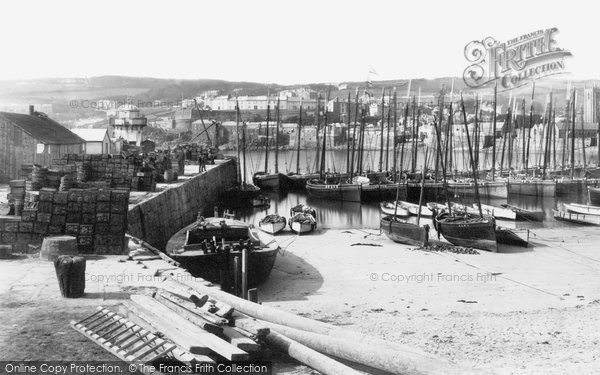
(185, 340)
(174, 325)
(189, 315)
(237, 339)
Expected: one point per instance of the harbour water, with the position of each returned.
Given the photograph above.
(345, 215)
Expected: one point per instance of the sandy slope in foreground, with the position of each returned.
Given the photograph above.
(518, 310)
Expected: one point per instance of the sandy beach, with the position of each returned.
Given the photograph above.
(521, 310)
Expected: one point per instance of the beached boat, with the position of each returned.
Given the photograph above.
(400, 231)
(512, 237)
(576, 218)
(272, 224)
(389, 208)
(303, 223)
(582, 208)
(523, 214)
(212, 244)
(498, 212)
(412, 208)
(466, 230)
(303, 219)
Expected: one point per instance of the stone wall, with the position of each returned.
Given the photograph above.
(157, 219)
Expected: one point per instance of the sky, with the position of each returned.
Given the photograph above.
(284, 42)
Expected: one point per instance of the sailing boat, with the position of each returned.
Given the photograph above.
(464, 229)
(333, 188)
(264, 179)
(242, 193)
(401, 231)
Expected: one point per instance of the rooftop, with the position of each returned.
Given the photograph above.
(91, 135)
(42, 128)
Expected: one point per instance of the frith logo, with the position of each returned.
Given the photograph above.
(516, 62)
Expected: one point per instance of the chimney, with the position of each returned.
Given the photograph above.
(31, 110)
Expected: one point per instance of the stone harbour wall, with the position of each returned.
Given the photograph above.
(157, 219)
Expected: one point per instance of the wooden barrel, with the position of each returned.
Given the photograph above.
(19, 204)
(53, 247)
(70, 272)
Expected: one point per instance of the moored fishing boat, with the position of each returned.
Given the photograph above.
(498, 212)
(271, 181)
(389, 208)
(582, 209)
(400, 231)
(272, 224)
(212, 244)
(413, 208)
(576, 218)
(467, 230)
(523, 214)
(340, 191)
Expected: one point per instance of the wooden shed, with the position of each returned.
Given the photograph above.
(33, 138)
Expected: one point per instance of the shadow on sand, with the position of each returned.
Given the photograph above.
(292, 279)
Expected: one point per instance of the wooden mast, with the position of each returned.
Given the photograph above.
(318, 122)
(298, 139)
(387, 140)
(237, 138)
(462, 103)
(405, 124)
(529, 129)
(348, 110)
(494, 133)
(395, 141)
(382, 129)
(414, 137)
(267, 132)
(354, 136)
(323, 158)
(574, 95)
(277, 114)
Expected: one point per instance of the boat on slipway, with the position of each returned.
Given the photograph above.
(207, 249)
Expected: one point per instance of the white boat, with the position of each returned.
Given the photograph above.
(389, 208)
(413, 208)
(576, 218)
(272, 224)
(303, 223)
(498, 212)
(582, 208)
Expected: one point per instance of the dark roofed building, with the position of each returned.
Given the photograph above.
(32, 138)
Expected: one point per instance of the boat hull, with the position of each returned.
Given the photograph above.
(389, 208)
(271, 181)
(575, 218)
(340, 192)
(582, 209)
(539, 188)
(478, 234)
(406, 233)
(487, 189)
(301, 228)
(272, 228)
(210, 266)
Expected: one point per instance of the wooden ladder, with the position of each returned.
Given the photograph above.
(121, 337)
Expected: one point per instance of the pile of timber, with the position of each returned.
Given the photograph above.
(210, 325)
